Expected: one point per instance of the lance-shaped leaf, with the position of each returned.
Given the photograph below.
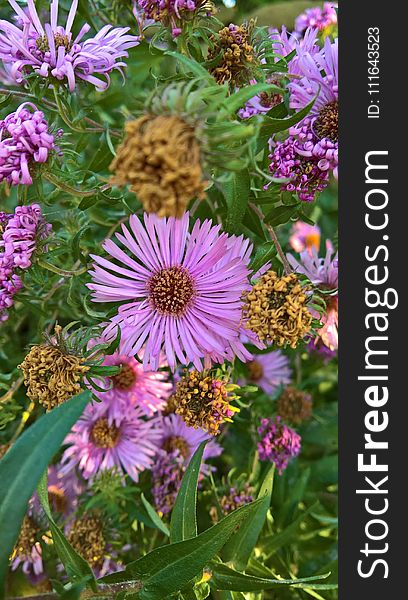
(240, 545)
(183, 524)
(236, 192)
(154, 516)
(226, 578)
(77, 568)
(169, 569)
(237, 100)
(23, 465)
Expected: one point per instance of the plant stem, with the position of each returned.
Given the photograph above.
(106, 590)
(63, 272)
(285, 262)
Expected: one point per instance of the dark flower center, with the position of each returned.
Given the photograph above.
(87, 537)
(171, 291)
(269, 100)
(60, 39)
(125, 379)
(27, 538)
(255, 370)
(104, 435)
(176, 442)
(327, 123)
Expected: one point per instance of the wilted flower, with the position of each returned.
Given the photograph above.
(233, 54)
(173, 13)
(203, 400)
(306, 177)
(269, 371)
(323, 273)
(235, 498)
(295, 405)
(51, 51)
(51, 373)
(99, 442)
(320, 18)
(317, 134)
(27, 551)
(182, 298)
(177, 446)
(275, 309)
(317, 347)
(278, 444)
(25, 141)
(20, 234)
(160, 159)
(304, 237)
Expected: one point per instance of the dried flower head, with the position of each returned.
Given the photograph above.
(236, 498)
(87, 537)
(174, 13)
(203, 400)
(295, 405)
(233, 54)
(275, 309)
(52, 374)
(160, 159)
(27, 551)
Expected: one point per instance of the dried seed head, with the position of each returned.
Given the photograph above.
(87, 538)
(294, 405)
(160, 159)
(275, 309)
(236, 55)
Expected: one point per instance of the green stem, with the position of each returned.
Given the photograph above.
(67, 188)
(58, 271)
(274, 237)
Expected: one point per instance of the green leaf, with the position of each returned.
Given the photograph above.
(168, 569)
(272, 125)
(23, 465)
(154, 516)
(77, 568)
(236, 192)
(237, 100)
(273, 542)
(281, 214)
(183, 524)
(194, 67)
(239, 547)
(264, 253)
(226, 578)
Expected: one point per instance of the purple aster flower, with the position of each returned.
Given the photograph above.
(99, 442)
(182, 296)
(269, 371)
(134, 387)
(318, 348)
(63, 492)
(27, 552)
(317, 134)
(19, 235)
(25, 140)
(321, 18)
(278, 444)
(177, 446)
(52, 52)
(323, 273)
(304, 237)
(306, 178)
(235, 498)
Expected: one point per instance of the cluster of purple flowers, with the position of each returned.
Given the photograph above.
(168, 11)
(25, 140)
(279, 443)
(52, 52)
(19, 236)
(321, 18)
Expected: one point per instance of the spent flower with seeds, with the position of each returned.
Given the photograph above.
(175, 13)
(160, 159)
(276, 309)
(233, 55)
(295, 405)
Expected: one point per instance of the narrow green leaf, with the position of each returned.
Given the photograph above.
(168, 569)
(154, 516)
(239, 547)
(273, 542)
(194, 67)
(77, 568)
(273, 125)
(226, 578)
(23, 465)
(183, 524)
(263, 254)
(281, 214)
(237, 100)
(236, 192)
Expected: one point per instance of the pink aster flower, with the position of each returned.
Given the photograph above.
(20, 234)
(278, 444)
(27, 552)
(323, 273)
(317, 134)
(99, 442)
(52, 52)
(321, 18)
(304, 237)
(177, 446)
(269, 371)
(181, 296)
(134, 387)
(25, 140)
